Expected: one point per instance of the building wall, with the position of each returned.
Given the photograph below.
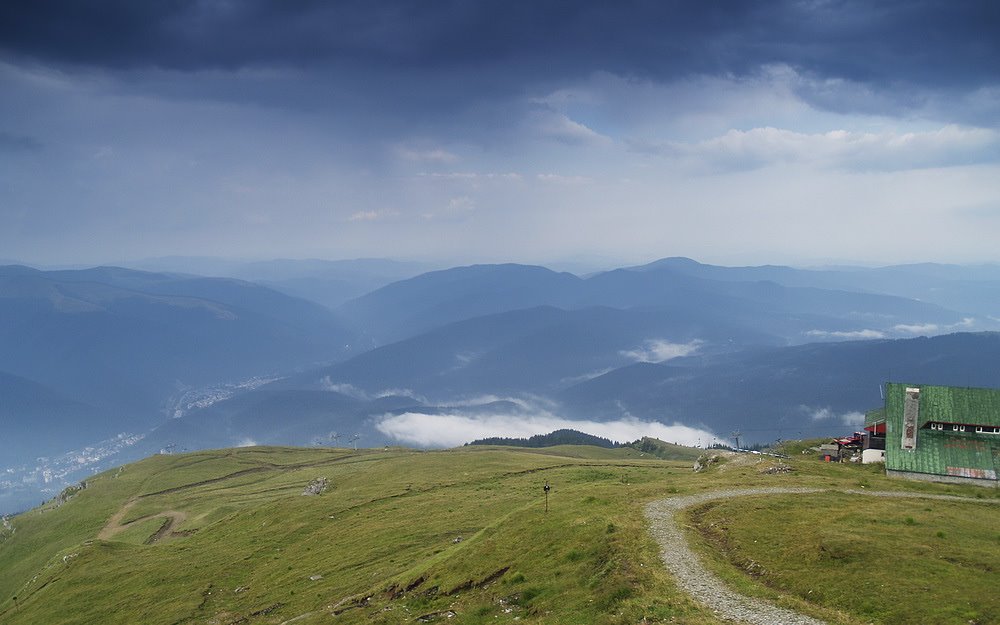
(963, 457)
(947, 479)
(871, 456)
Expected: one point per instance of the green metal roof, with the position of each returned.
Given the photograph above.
(945, 452)
(951, 404)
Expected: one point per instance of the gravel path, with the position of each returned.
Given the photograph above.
(697, 581)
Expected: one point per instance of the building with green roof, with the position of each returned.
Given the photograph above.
(940, 433)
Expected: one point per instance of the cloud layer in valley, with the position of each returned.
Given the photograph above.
(659, 350)
(451, 430)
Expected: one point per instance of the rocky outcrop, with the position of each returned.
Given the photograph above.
(315, 487)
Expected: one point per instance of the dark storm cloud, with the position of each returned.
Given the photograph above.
(923, 43)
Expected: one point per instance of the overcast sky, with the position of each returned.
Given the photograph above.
(733, 132)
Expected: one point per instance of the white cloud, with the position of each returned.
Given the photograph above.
(917, 328)
(659, 350)
(470, 175)
(246, 442)
(847, 334)
(343, 388)
(464, 359)
(527, 403)
(400, 392)
(456, 207)
(461, 204)
(479, 400)
(851, 418)
(372, 215)
(586, 376)
(561, 128)
(966, 323)
(443, 430)
(819, 414)
(433, 155)
(560, 179)
(350, 390)
(884, 151)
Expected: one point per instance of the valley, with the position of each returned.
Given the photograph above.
(107, 365)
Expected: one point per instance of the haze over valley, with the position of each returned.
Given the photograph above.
(106, 365)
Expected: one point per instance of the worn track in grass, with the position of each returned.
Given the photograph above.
(114, 525)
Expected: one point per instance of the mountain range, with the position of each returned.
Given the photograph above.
(327, 282)
(126, 362)
(796, 313)
(128, 344)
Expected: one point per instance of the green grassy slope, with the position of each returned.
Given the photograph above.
(227, 537)
(463, 530)
(900, 561)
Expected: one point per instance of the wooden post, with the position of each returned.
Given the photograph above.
(546, 496)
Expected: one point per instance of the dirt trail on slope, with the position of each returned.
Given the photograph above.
(173, 517)
(115, 525)
(704, 586)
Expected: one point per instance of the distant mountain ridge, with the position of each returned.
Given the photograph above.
(326, 282)
(783, 392)
(535, 350)
(416, 305)
(973, 289)
(123, 341)
(430, 300)
(88, 354)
